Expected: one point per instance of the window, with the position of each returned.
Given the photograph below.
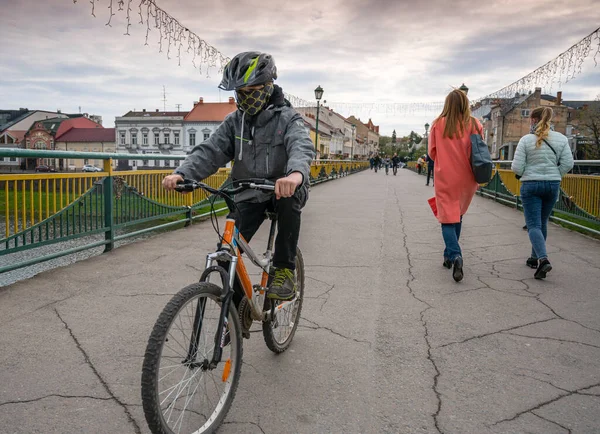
(144, 162)
(192, 139)
(167, 137)
(525, 113)
(122, 139)
(167, 163)
(176, 137)
(86, 162)
(156, 138)
(176, 163)
(206, 136)
(145, 139)
(13, 159)
(134, 138)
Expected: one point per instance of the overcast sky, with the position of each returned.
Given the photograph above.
(57, 56)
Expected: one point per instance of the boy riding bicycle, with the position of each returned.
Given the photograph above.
(267, 139)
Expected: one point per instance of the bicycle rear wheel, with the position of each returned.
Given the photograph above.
(280, 331)
(180, 394)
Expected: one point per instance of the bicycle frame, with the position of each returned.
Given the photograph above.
(230, 250)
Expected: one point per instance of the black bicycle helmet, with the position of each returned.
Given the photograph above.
(250, 68)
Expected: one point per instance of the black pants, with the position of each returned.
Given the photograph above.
(288, 224)
(429, 173)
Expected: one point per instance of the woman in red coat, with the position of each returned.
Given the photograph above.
(455, 186)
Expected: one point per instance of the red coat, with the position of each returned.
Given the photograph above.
(454, 181)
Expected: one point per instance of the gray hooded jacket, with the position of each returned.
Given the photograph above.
(270, 145)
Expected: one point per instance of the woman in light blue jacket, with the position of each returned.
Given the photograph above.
(541, 160)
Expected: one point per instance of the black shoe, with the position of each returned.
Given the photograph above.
(457, 273)
(447, 263)
(525, 227)
(543, 268)
(532, 263)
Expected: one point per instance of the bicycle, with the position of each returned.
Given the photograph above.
(200, 331)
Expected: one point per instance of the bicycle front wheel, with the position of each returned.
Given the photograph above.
(180, 393)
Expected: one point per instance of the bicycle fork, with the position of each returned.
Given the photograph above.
(227, 279)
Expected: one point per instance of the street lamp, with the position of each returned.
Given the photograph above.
(318, 96)
(352, 148)
(426, 129)
(464, 88)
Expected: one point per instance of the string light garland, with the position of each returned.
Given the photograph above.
(175, 37)
(564, 67)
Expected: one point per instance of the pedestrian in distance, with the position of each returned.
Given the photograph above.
(395, 163)
(455, 185)
(430, 165)
(542, 158)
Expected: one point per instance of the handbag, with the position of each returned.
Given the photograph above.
(557, 157)
(481, 160)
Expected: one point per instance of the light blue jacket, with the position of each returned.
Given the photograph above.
(540, 164)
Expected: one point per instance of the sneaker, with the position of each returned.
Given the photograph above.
(532, 263)
(543, 268)
(447, 263)
(283, 286)
(457, 273)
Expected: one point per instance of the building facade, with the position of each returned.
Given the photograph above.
(42, 135)
(149, 132)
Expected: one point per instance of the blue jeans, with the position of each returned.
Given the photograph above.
(451, 234)
(538, 199)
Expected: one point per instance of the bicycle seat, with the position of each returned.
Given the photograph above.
(271, 215)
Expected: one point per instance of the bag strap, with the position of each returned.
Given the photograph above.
(555, 154)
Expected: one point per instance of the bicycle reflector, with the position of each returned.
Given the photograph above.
(226, 370)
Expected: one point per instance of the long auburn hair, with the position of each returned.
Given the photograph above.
(541, 116)
(457, 113)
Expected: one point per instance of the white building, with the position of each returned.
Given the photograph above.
(204, 119)
(146, 132)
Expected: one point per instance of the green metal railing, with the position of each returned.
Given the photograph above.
(45, 209)
(578, 204)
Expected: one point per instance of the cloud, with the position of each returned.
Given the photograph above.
(377, 51)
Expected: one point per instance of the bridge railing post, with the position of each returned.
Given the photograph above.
(109, 218)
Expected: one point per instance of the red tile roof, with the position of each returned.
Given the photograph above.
(78, 122)
(88, 135)
(211, 111)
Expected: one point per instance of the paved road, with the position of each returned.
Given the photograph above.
(388, 343)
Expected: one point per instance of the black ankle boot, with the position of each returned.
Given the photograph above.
(543, 268)
(457, 273)
(532, 262)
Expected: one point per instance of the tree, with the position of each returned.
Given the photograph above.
(394, 137)
(589, 125)
(384, 140)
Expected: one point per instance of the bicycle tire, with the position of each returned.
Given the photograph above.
(157, 344)
(272, 342)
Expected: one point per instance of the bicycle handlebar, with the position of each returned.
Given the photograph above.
(255, 184)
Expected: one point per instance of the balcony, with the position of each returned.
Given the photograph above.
(165, 146)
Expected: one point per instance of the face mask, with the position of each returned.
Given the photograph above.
(252, 101)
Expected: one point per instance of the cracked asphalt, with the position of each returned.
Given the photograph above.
(387, 343)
